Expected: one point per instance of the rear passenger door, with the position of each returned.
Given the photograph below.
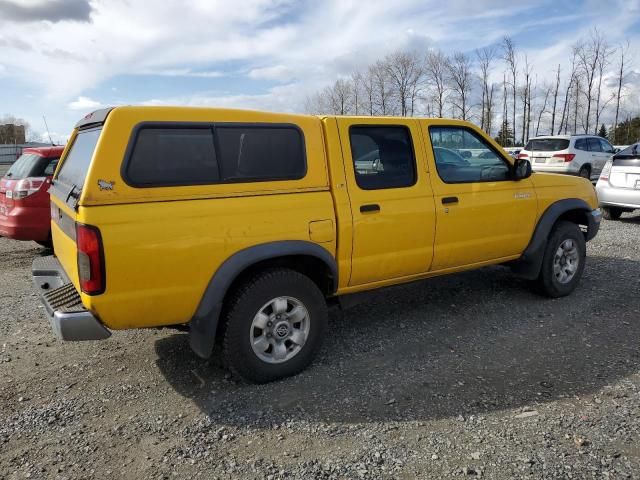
(482, 214)
(598, 156)
(391, 199)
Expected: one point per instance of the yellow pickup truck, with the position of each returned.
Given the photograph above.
(242, 226)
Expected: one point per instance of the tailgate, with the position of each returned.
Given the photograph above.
(63, 234)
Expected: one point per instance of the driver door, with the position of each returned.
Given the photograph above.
(481, 213)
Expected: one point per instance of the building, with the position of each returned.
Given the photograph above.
(11, 134)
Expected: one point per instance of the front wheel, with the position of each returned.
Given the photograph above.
(275, 323)
(563, 261)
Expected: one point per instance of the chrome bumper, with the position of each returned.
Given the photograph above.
(67, 317)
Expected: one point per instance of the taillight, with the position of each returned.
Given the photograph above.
(606, 170)
(566, 157)
(27, 187)
(90, 259)
(523, 156)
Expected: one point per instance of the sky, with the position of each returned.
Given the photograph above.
(64, 58)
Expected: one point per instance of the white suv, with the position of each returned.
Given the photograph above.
(583, 155)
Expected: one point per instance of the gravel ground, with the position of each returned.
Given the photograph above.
(463, 376)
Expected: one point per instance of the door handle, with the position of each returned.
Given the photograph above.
(449, 200)
(372, 207)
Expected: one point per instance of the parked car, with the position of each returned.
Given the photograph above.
(24, 198)
(582, 155)
(242, 226)
(618, 187)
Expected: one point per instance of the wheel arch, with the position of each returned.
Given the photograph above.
(305, 257)
(574, 210)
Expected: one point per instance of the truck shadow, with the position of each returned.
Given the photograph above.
(459, 345)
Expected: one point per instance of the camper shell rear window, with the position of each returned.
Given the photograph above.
(169, 154)
(75, 164)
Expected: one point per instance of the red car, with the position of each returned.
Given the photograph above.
(24, 197)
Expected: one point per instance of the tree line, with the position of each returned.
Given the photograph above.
(463, 85)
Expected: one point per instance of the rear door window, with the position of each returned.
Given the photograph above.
(382, 157)
(547, 144)
(594, 144)
(76, 164)
(581, 144)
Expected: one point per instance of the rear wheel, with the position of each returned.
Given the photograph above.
(585, 172)
(611, 213)
(275, 324)
(563, 261)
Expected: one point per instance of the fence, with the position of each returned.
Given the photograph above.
(9, 153)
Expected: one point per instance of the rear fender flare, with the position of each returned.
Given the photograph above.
(204, 324)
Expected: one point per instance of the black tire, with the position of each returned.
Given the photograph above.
(247, 302)
(547, 283)
(48, 244)
(585, 172)
(611, 213)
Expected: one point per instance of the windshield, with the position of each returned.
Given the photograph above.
(76, 164)
(28, 165)
(547, 144)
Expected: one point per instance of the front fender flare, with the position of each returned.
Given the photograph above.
(203, 325)
(529, 264)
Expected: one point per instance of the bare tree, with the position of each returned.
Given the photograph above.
(589, 54)
(436, 73)
(382, 87)
(622, 73)
(485, 56)
(356, 89)
(460, 78)
(489, 109)
(405, 74)
(555, 103)
(526, 103)
(369, 88)
(567, 96)
(510, 57)
(602, 63)
(543, 110)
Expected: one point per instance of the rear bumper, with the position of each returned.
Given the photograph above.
(25, 224)
(609, 196)
(65, 312)
(558, 168)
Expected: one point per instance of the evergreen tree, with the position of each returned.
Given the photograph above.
(626, 132)
(505, 135)
(603, 131)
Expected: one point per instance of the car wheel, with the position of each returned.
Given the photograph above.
(611, 213)
(274, 325)
(585, 172)
(563, 261)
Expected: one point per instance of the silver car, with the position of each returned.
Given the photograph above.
(619, 185)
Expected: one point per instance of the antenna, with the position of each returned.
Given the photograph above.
(47, 127)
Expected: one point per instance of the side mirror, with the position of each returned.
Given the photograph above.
(521, 169)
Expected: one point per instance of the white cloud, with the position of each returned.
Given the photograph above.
(84, 104)
(276, 72)
(302, 46)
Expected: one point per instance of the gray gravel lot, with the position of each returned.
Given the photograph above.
(461, 376)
